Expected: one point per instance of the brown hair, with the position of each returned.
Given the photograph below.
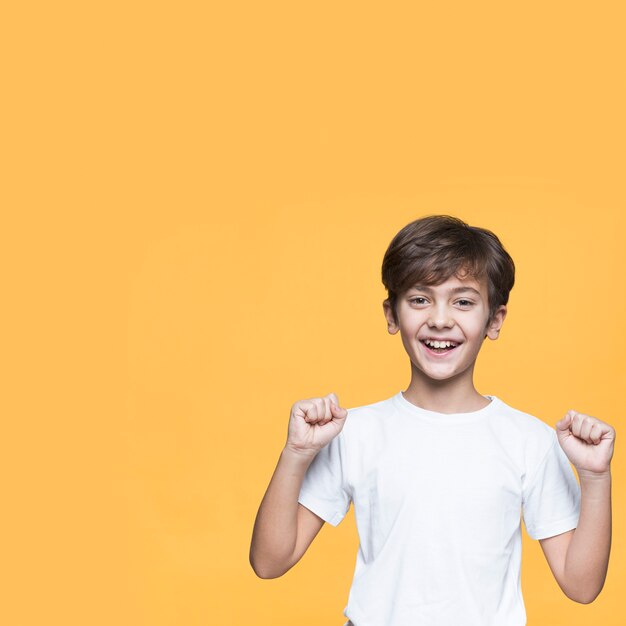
(431, 249)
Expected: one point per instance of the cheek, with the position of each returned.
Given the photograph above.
(408, 341)
(477, 337)
(408, 327)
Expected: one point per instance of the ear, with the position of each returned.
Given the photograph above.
(494, 326)
(392, 327)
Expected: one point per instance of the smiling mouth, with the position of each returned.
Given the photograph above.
(438, 350)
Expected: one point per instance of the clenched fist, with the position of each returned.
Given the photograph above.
(587, 442)
(313, 423)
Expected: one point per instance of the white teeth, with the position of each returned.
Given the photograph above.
(440, 344)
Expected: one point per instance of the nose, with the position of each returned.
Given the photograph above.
(440, 318)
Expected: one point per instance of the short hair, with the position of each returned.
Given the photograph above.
(431, 249)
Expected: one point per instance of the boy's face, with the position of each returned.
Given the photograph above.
(456, 310)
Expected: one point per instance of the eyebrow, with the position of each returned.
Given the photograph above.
(453, 290)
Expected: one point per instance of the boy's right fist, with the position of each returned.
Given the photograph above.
(313, 423)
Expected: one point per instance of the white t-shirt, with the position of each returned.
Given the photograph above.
(438, 502)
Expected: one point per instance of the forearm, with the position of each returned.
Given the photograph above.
(587, 556)
(275, 528)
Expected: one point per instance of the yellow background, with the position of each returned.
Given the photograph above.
(196, 199)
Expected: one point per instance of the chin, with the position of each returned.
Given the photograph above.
(436, 376)
(443, 377)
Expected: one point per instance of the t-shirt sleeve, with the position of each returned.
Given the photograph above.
(551, 501)
(324, 488)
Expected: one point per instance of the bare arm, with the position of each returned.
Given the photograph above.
(283, 529)
(579, 559)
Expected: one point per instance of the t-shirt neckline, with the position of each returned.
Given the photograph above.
(445, 418)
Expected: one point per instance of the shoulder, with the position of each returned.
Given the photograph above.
(523, 422)
(368, 417)
(532, 435)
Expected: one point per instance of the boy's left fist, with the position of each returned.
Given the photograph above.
(587, 442)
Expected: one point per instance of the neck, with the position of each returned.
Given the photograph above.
(453, 395)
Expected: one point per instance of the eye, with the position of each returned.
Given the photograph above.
(415, 300)
(468, 302)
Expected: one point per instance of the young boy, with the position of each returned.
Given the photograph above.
(439, 474)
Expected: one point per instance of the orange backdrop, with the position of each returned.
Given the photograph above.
(196, 199)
